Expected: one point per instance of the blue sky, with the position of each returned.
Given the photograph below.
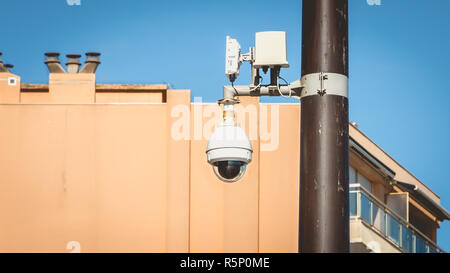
(399, 59)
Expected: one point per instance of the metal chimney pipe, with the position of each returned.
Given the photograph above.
(53, 63)
(2, 68)
(8, 67)
(73, 64)
(92, 62)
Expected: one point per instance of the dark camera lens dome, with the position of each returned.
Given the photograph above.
(229, 169)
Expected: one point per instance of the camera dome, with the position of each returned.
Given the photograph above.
(229, 171)
(229, 151)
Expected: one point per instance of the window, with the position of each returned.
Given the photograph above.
(407, 239)
(353, 208)
(364, 182)
(393, 229)
(421, 246)
(366, 207)
(355, 177)
(352, 175)
(379, 218)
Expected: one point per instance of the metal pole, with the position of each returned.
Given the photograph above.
(324, 190)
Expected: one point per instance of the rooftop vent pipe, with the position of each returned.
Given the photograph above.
(8, 67)
(2, 68)
(92, 62)
(53, 64)
(73, 64)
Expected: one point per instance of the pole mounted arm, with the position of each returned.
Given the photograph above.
(268, 54)
(291, 90)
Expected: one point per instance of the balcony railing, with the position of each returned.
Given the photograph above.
(366, 207)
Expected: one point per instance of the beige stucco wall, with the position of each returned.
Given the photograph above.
(9, 93)
(111, 177)
(83, 173)
(369, 240)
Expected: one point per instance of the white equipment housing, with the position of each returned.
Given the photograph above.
(270, 49)
(232, 61)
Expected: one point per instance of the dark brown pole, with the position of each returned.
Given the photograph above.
(324, 190)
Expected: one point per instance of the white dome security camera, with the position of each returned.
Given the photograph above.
(229, 151)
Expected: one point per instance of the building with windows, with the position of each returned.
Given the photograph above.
(122, 168)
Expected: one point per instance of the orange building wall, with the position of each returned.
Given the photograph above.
(76, 166)
(9, 94)
(83, 173)
(112, 178)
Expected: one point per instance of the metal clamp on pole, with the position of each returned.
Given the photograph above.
(324, 84)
